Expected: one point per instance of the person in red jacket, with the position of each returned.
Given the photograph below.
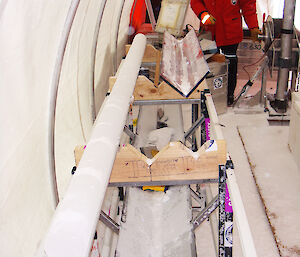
(224, 19)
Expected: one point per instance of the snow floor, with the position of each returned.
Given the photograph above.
(269, 181)
(157, 224)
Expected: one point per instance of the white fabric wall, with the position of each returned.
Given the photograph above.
(74, 111)
(30, 34)
(29, 38)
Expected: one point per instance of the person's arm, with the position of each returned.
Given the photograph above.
(248, 8)
(200, 10)
(198, 7)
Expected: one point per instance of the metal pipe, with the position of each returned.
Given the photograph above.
(74, 223)
(150, 14)
(204, 214)
(93, 59)
(108, 246)
(194, 126)
(196, 196)
(115, 34)
(169, 101)
(53, 97)
(285, 55)
(109, 222)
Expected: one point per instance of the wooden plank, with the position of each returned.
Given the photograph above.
(150, 54)
(175, 162)
(130, 165)
(145, 90)
(157, 69)
(78, 152)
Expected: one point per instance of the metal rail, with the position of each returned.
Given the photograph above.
(108, 221)
(247, 243)
(93, 59)
(115, 34)
(53, 97)
(167, 101)
(203, 215)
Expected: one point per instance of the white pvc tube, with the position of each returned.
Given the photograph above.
(74, 223)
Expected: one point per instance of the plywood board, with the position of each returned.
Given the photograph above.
(150, 54)
(175, 162)
(130, 165)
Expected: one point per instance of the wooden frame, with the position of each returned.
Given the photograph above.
(151, 55)
(145, 90)
(175, 163)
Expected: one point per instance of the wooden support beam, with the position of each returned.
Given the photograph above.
(175, 162)
(150, 54)
(157, 69)
(145, 90)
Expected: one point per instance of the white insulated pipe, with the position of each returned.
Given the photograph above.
(74, 223)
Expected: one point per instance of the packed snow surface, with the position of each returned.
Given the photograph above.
(157, 224)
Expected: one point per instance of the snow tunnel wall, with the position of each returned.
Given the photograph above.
(30, 35)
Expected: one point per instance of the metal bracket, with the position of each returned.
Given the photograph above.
(129, 133)
(285, 62)
(197, 197)
(109, 222)
(225, 218)
(150, 13)
(206, 212)
(229, 164)
(195, 125)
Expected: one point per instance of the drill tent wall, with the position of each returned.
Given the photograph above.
(31, 34)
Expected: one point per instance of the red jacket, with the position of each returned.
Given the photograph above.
(228, 27)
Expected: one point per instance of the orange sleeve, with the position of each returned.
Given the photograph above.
(198, 7)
